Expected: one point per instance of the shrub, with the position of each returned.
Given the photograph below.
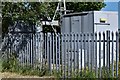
(10, 64)
(29, 70)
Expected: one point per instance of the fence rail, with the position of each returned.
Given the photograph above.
(69, 54)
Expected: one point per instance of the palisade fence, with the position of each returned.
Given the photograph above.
(69, 54)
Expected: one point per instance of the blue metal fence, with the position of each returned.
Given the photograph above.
(67, 53)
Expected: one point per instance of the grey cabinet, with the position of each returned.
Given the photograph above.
(90, 22)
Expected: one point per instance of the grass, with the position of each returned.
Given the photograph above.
(119, 70)
(11, 65)
(1, 65)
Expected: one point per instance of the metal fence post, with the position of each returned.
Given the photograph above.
(74, 53)
(77, 51)
(50, 53)
(84, 47)
(88, 38)
(112, 54)
(104, 49)
(64, 54)
(53, 51)
(81, 43)
(108, 50)
(92, 51)
(96, 69)
(59, 55)
(100, 55)
(117, 52)
(56, 55)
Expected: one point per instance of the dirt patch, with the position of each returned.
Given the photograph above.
(14, 75)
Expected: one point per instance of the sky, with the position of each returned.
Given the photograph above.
(111, 5)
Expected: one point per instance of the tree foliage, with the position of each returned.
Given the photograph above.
(85, 6)
(30, 12)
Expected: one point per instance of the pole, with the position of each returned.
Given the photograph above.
(64, 6)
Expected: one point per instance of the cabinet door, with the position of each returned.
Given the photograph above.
(75, 24)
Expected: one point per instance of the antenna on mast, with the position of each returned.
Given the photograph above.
(64, 6)
(61, 7)
(59, 10)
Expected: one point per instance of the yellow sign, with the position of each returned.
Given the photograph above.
(103, 19)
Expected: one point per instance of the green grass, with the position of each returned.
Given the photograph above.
(11, 65)
(1, 65)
